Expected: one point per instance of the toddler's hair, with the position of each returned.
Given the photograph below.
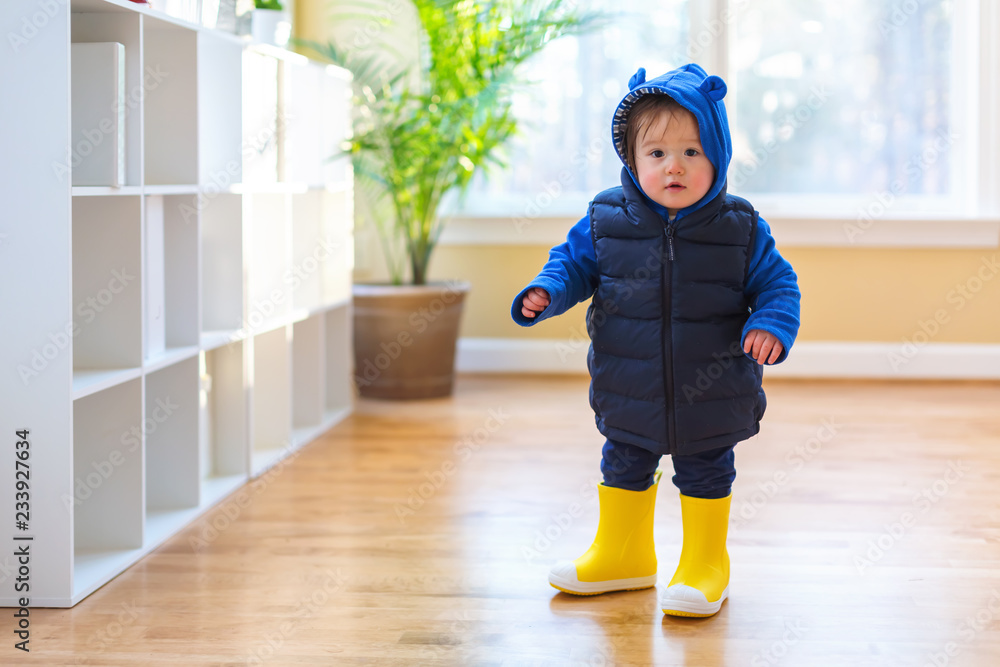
(642, 113)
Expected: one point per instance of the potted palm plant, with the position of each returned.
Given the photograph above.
(423, 128)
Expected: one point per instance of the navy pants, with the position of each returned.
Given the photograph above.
(706, 475)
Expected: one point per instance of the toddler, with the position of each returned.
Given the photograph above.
(690, 300)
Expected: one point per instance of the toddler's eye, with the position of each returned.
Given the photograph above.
(657, 153)
(690, 152)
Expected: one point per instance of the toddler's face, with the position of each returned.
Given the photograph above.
(671, 166)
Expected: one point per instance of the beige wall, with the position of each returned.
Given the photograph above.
(315, 20)
(848, 294)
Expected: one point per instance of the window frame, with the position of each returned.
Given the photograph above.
(970, 216)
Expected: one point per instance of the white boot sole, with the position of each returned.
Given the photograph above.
(681, 600)
(563, 576)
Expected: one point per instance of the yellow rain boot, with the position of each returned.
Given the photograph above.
(701, 582)
(622, 556)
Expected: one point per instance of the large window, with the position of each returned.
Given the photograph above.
(842, 98)
(563, 155)
(831, 102)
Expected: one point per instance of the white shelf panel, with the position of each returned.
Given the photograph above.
(333, 417)
(103, 6)
(170, 189)
(305, 435)
(300, 314)
(211, 340)
(265, 188)
(163, 524)
(266, 458)
(91, 381)
(272, 324)
(174, 21)
(170, 356)
(333, 305)
(93, 569)
(300, 438)
(100, 191)
(214, 489)
(277, 52)
(335, 187)
(239, 41)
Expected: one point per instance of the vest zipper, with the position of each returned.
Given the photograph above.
(668, 354)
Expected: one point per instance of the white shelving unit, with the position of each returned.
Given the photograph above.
(170, 339)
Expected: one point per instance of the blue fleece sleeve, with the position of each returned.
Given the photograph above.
(773, 291)
(570, 276)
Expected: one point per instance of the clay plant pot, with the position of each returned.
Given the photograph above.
(405, 338)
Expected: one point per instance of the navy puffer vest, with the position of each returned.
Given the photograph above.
(667, 371)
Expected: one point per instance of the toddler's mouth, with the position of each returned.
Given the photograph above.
(675, 187)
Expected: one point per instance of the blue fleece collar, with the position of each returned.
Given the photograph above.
(700, 94)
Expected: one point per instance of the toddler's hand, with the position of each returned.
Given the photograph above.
(534, 302)
(764, 347)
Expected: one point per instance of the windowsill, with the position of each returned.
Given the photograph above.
(916, 230)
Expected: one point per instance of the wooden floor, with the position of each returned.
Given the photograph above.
(865, 531)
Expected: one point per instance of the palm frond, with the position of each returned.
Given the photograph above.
(426, 126)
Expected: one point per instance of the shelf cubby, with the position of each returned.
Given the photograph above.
(223, 421)
(269, 298)
(170, 109)
(222, 268)
(338, 362)
(336, 127)
(171, 330)
(172, 482)
(271, 418)
(220, 139)
(307, 379)
(107, 290)
(107, 481)
(100, 22)
(302, 86)
(311, 250)
(261, 121)
(338, 223)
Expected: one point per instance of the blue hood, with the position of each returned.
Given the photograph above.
(700, 94)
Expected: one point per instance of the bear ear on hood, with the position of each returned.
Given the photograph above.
(637, 79)
(714, 87)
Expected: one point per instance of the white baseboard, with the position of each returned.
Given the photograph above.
(952, 361)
